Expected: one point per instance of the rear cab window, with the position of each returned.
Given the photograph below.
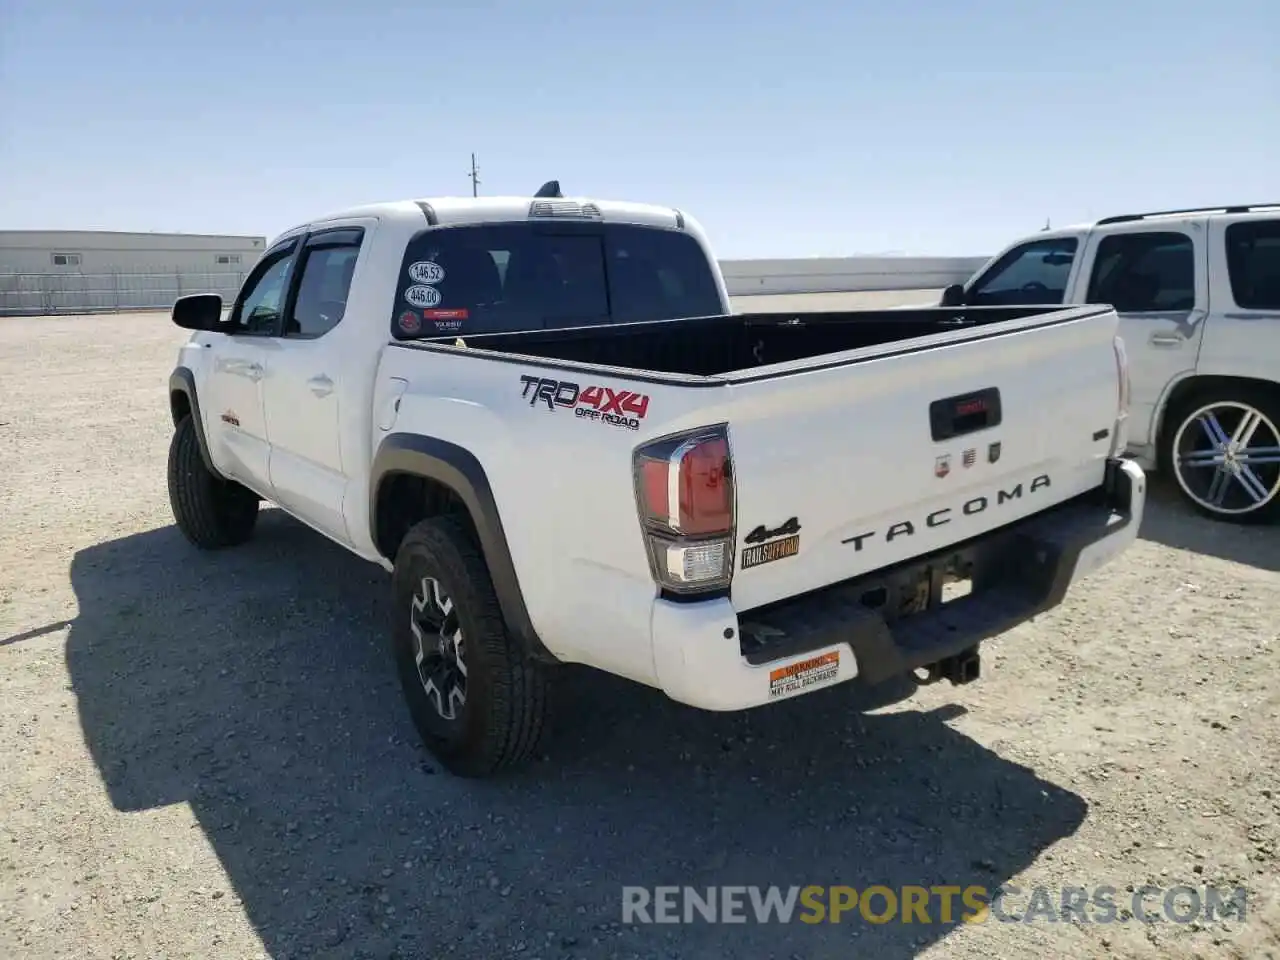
(509, 277)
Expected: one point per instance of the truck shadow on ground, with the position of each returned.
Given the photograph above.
(254, 686)
(1169, 521)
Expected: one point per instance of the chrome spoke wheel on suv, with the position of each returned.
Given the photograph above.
(438, 649)
(1226, 457)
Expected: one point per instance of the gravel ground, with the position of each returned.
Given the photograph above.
(207, 755)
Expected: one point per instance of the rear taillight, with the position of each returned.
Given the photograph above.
(685, 495)
(1120, 433)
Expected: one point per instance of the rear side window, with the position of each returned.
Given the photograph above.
(1253, 264)
(328, 263)
(1145, 272)
(502, 278)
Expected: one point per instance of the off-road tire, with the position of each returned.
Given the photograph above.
(211, 512)
(1265, 401)
(507, 701)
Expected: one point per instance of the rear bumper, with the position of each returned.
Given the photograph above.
(708, 656)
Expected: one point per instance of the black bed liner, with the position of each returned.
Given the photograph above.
(711, 347)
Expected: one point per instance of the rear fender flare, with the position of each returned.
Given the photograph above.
(459, 470)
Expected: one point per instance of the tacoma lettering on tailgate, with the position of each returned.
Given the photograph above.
(972, 507)
(621, 408)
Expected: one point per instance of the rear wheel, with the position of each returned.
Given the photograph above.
(1223, 449)
(479, 704)
(210, 511)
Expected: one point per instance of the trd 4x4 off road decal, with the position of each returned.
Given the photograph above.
(621, 408)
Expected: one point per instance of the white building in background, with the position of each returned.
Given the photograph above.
(69, 271)
(104, 251)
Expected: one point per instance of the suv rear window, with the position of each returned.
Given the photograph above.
(507, 277)
(1253, 264)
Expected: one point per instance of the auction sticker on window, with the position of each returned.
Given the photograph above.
(424, 271)
(422, 296)
(804, 674)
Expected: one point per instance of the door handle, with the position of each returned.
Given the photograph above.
(321, 386)
(243, 368)
(1166, 339)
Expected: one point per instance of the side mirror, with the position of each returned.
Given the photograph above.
(952, 296)
(199, 311)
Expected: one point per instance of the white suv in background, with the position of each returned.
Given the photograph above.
(1198, 295)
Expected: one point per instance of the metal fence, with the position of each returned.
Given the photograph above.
(36, 294)
(63, 292)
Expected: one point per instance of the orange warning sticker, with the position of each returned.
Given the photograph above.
(804, 674)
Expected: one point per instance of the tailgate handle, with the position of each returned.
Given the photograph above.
(955, 416)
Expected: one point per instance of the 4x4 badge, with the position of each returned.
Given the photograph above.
(942, 466)
(993, 452)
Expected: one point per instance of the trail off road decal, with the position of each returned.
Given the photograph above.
(620, 408)
(769, 552)
(804, 674)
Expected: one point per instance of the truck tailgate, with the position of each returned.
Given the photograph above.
(859, 465)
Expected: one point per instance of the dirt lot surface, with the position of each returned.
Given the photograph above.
(207, 755)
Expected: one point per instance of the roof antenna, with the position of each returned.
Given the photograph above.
(550, 189)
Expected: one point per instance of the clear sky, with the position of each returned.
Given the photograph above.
(788, 129)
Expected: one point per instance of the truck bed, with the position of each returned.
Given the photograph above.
(721, 346)
(887, 435)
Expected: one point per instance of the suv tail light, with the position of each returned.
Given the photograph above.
(686, 498)
(1120, 434)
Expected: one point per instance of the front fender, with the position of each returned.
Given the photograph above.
(182, 384)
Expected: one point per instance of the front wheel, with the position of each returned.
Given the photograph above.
(1223, 449)
(211, 512)
(479, 704)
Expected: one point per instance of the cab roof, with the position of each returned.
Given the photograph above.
(461, 210)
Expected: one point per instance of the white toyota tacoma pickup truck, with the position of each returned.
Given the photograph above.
(541, 417)
(1198, 295)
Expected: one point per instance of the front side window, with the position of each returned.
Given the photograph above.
(1034, 273)
(508, 277)
(1253, 264)
(263, 296)
(1145, 272)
